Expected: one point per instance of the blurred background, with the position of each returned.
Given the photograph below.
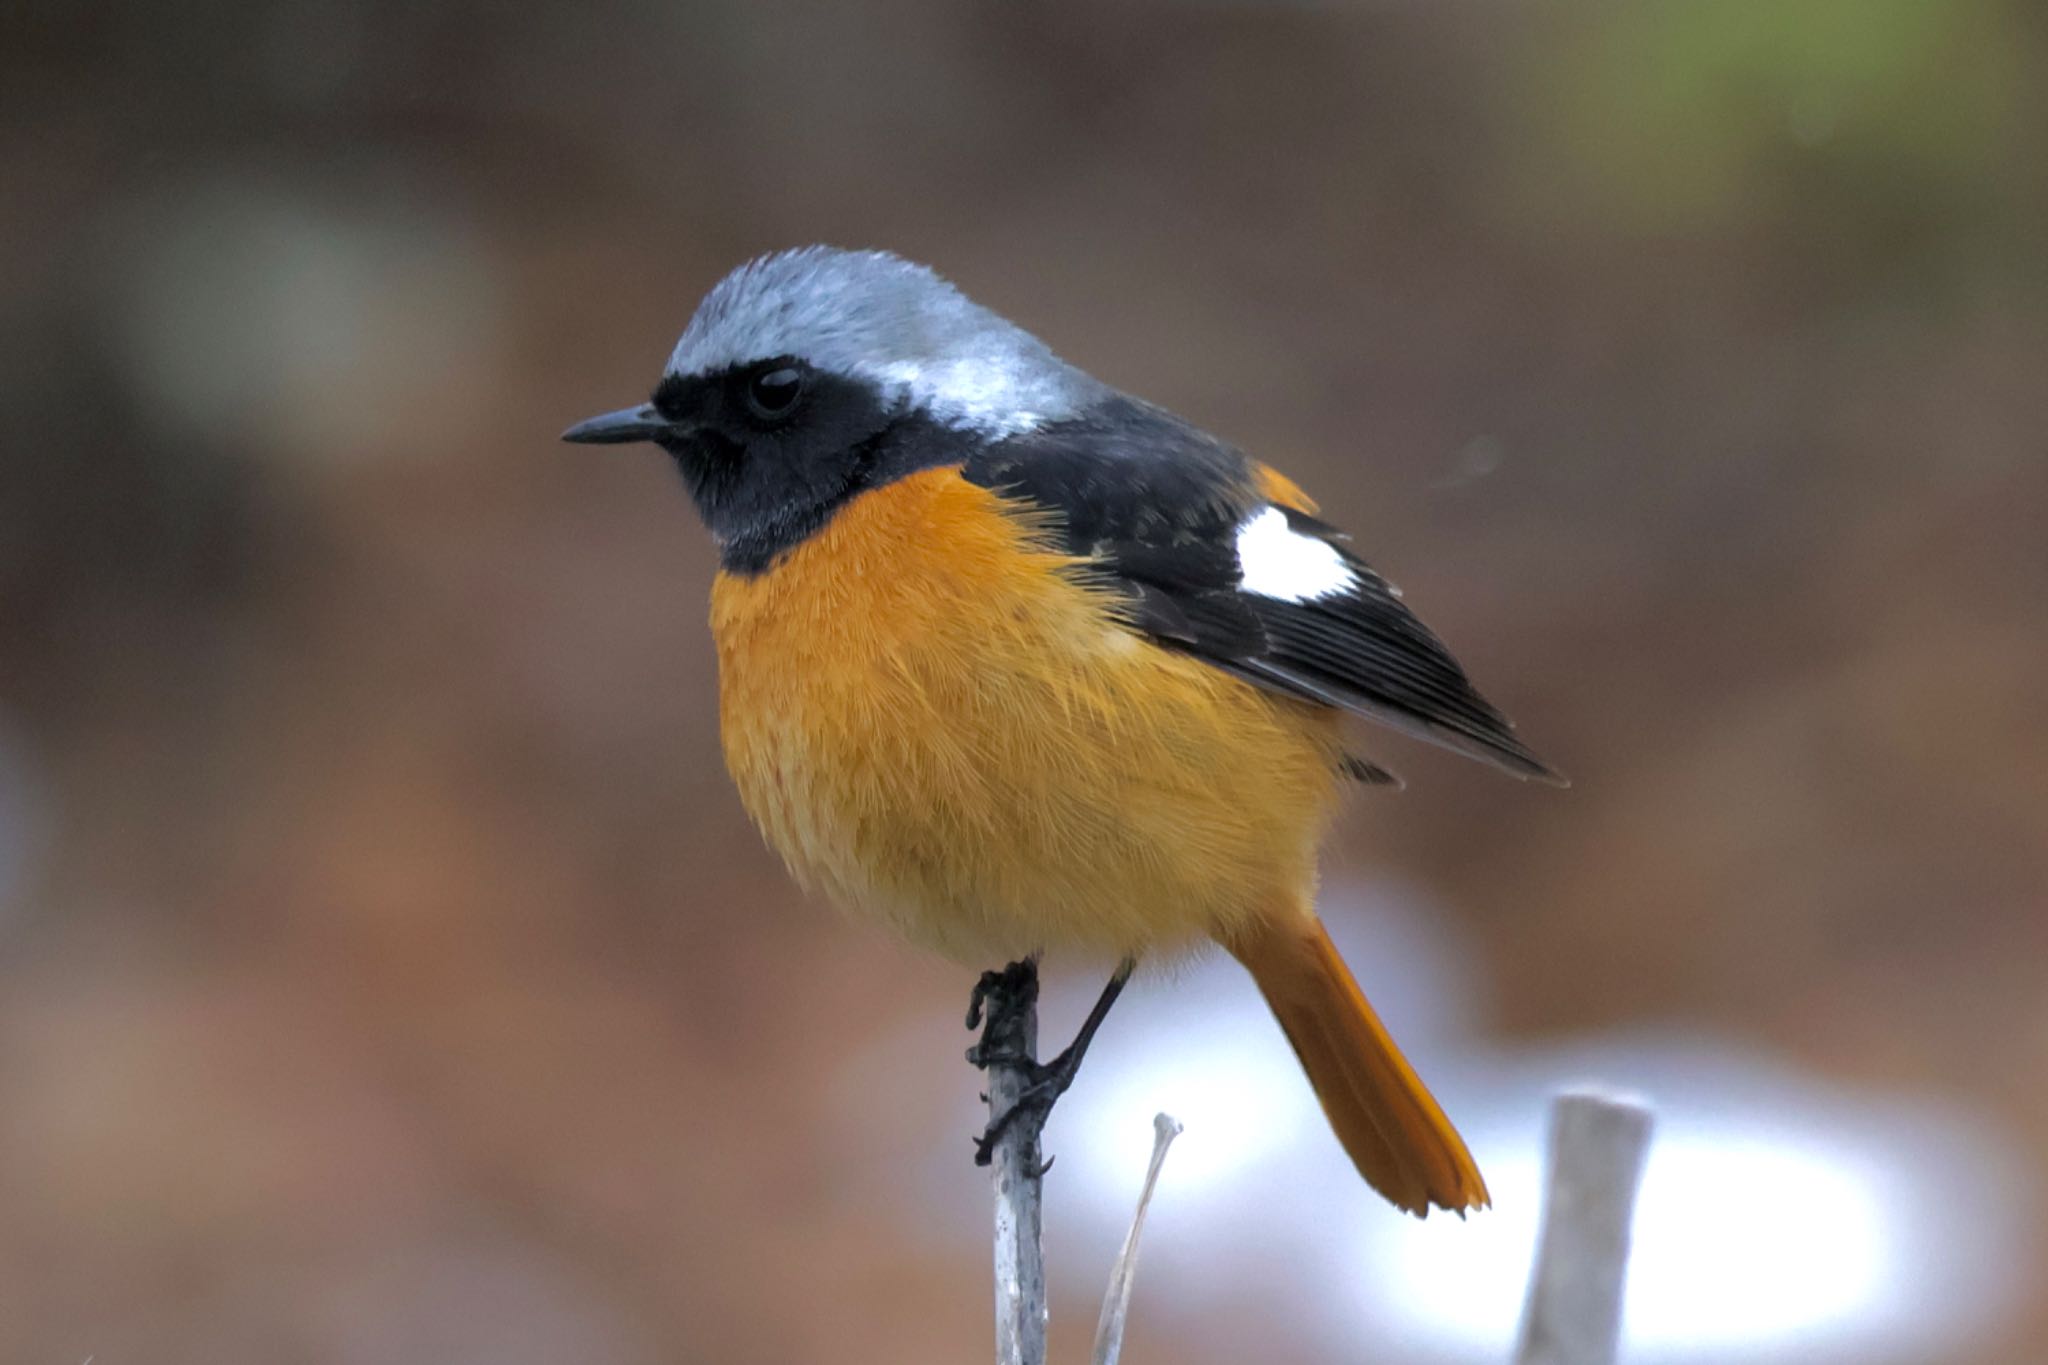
(388, 973)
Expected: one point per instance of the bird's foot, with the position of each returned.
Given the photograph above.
(1044, 1083)
(1003, 999)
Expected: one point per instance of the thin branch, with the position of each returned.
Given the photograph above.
(1597, 1148)
(1006, 1005)
(1116, 1304)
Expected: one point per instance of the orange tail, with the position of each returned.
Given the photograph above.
(1391, 1125)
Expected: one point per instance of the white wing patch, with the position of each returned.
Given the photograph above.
(1275, 560)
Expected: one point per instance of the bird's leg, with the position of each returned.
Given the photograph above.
(1061, 1070)
(1013, 991)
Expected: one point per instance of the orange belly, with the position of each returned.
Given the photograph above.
(937, 723)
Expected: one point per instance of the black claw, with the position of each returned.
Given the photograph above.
(1043, 1088)
(990, 981)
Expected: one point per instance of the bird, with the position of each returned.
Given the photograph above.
(1013, 662)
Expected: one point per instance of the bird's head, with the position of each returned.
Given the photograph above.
(809, 376)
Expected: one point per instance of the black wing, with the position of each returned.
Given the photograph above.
(1158, 506)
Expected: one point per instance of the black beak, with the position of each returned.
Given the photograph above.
(617, 428)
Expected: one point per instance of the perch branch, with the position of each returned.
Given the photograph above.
(1006, 1009)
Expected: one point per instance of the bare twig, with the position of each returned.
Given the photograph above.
(1116, 1304)
(1006, 1006)
(1597, 1147)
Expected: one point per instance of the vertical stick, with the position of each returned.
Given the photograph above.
(1008, 1001)
(1597, 1147)
(1116, 1304)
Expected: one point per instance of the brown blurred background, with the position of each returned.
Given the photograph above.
(387, 972)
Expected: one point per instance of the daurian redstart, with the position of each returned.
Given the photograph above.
(1012, 661)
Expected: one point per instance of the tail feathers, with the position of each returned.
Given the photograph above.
(1393, 1129)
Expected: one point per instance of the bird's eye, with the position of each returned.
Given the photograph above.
(773, 393)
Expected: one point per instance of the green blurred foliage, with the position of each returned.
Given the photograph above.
(1684, 116)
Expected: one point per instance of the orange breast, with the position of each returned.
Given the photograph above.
(936, 722)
